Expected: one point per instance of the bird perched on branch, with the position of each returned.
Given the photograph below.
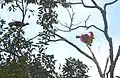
(88, 39)
(17, 24)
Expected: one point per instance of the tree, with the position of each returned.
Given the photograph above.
(111, 57)
(47, 18)
(70, 28)
(74, 69)
(17, 57)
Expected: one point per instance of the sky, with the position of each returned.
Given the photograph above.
(62, 50)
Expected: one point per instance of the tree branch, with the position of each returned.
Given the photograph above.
(87, 19)
(18, 5)
(106, 66)
(87, 5)
(94, 2)
(70, 27)
(95, 27)
(71, 18)
(116, 58)
(55, 40)
(40, 34)
(82, 52)
(23, 12)
(109, 4)
(87, 27)
(96, 62)
(118, 54)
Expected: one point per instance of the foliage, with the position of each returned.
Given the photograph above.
(17, 58)
(74, 69)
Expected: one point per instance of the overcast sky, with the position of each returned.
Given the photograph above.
(62, 50)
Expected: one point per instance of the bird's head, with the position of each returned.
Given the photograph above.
(91, 33)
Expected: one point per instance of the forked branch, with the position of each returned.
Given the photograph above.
(109, 4)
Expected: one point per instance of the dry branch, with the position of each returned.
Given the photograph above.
(96, 63)
(109, 4)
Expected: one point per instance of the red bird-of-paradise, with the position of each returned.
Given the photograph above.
(88, 39)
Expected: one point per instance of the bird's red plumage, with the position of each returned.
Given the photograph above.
(91, 34)
(84, 38)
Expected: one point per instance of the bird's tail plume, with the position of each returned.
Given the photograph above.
(77, 36)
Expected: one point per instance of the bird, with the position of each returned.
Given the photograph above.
(17, 24)
(90, 38)
(85, 38)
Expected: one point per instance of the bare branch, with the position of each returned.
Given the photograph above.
(118, 54)
(23, 13)
(109, 4)
(55, 40)
(107, 74)
(26, 9)
(63, 24)
(96, 62)
(79, 27)
(87, 5)
(71, 18)
(116, 58)
(94, 3)
(87, 19)
(87, 27)
(106, 66)
(40, 34)
(18, 5)
(62, 30)
(95, 27)
(33, 38)
(70, 27)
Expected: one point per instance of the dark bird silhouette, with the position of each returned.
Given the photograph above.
(17, 24)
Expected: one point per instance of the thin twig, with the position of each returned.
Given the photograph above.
(87, 19)
(71, 18)
(40, 34)
(62, 24)
(87, 27)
